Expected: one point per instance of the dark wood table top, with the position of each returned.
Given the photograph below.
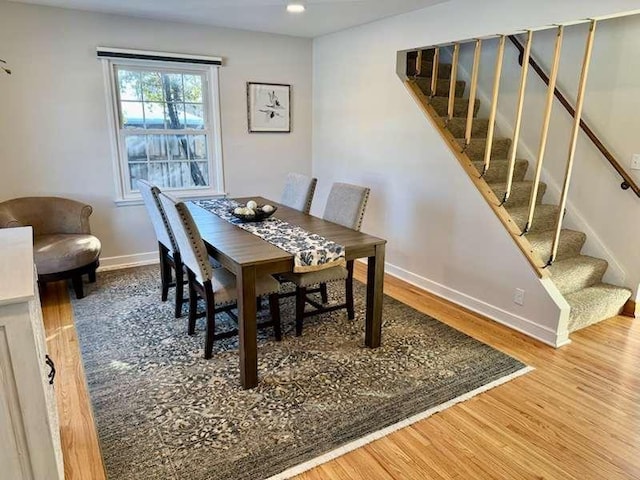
(243, 248)
(248, 256)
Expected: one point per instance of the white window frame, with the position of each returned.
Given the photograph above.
(211, 105)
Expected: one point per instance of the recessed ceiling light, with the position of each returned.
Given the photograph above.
(295, 8)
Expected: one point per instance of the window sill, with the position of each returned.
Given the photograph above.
(128, 202)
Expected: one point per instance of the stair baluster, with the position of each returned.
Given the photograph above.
(574, 139)
(518, 122)
(472, 92)
(418, 63)
(545, 128)
(578, 277)
(452, 81)
(434, 72)
(494, 104)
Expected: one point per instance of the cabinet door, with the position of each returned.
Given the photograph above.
(14, 454)
(47, 379)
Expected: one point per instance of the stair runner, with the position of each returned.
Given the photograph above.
(578, 277)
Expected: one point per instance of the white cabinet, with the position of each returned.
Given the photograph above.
(29, 431)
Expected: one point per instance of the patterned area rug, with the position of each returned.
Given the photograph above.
(163, 412)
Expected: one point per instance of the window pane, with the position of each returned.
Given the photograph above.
(137, 171)
(129, 85)
(204, 168)
(193, 88)
(174, 113)
(152, 87)
(154, 115)
(198, 146)
(157, 147)
(198, 175)
(136, 148)
(195, 115)
(172, 84)
(178, 147)
(161, 171)
(171, 174)
(132, 114)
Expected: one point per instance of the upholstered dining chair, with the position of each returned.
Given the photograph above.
(345, 206)
(298, 192)
(216, 286)
(167, 246)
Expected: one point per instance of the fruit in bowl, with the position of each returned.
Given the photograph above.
(252, 212)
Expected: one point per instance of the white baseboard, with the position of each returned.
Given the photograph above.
(127, 261)
(523, 325)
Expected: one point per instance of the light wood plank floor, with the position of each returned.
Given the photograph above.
(577, 416)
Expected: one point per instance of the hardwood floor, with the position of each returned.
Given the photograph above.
(80, 448)
(577, 416)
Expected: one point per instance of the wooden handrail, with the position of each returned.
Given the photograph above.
(627, 182)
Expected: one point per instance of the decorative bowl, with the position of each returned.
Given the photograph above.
(258, 217)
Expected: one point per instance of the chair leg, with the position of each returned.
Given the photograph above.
(324, 295)
(301, 300)
(165, 271)
(274, 308)
(211, 319)
(177, 261)
(76, 281)
(92, 275)
(349, 291)
(193, 303)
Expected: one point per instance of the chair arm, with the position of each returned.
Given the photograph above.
(47, 215)
(70, 216)
(7, 220)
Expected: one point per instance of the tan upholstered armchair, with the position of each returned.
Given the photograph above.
(63, 245)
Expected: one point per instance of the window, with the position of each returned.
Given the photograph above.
(166, 126)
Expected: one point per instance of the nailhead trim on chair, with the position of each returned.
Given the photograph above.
(155, 191)
(312, 190)
(174, 244)
(362, 210)
(196, 241)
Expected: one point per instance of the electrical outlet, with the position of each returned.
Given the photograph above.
(635, 161)
(518, 296)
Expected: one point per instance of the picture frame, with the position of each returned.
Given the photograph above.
(269, 107)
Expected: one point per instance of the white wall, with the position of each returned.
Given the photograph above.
(368, 130)
(54, 137)
(609, 215)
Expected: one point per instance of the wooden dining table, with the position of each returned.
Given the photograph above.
(247, 255)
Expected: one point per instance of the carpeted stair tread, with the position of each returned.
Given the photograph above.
(444, 70)
(544, 217)
(458, 127)
(475, 150)
(442, 88)
(576, 273)
(498, 170)
(577, 277)
(441, 104)
(571, 243)
(520, 192)
(595, 303)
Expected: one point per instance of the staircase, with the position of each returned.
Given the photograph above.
(578, 277)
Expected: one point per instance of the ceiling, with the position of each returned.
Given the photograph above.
(321, 16)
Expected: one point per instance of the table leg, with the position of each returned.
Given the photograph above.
(375, 283)
(248, 340)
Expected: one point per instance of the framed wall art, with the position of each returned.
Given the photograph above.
(269, 107)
